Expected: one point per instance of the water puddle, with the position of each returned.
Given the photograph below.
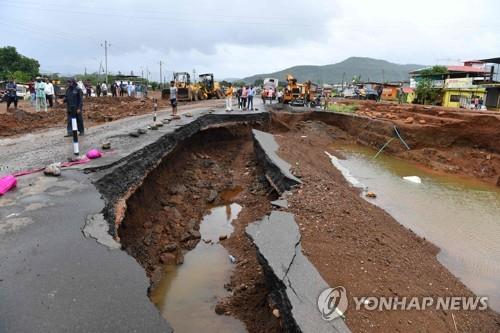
(459, 215)
(187, 294)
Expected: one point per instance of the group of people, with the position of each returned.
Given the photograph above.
(42, 93)
(117, 89)
(244, 95)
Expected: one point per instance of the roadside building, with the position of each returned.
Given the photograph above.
(460, 93)
(390, 92)
(409, 95)
(492, 101)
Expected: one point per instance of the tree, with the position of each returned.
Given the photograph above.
(15, 65)
(434, 70)
(425, 91)
(258, 83)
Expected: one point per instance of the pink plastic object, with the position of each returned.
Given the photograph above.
(7, 183)
(93, 153)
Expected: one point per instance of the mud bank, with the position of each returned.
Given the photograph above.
(357, 245)
(455, 144)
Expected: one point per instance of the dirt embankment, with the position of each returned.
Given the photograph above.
(359, 246)
(96, 110)
(163, 215)
(459, 142)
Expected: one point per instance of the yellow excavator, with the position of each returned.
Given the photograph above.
(186, 91)
(293, 90)
(208, 87)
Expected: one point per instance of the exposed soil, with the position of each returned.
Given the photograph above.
(359, 246)
(445, 140)
(96, 110)
(351, 242)
(162, 217)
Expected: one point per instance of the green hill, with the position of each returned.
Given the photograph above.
(369, 69)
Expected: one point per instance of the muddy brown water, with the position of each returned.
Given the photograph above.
(187, 294)
(459, 215)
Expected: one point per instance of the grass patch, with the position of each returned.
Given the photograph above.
(342, 108)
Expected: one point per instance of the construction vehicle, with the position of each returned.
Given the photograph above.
(293, 90)
(208, 88)
(270, 86)
(186, 91)
(311, 93)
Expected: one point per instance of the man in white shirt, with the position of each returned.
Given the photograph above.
(49, 92)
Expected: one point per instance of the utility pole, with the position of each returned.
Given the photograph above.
(161, 81)
(194, 75)
(106, 45)
(343, 78)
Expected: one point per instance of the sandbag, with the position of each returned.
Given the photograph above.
(7, 183)
(93, 154)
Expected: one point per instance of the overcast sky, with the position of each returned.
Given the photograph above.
(241, 38)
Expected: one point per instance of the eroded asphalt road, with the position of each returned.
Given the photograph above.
(53, 278)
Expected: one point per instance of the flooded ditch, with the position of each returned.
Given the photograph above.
(211, 185)
(458, 214)
(179, 223)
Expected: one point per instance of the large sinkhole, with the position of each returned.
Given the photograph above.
(185, 225)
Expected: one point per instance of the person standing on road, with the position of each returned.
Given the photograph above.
(114, 87)
(173, 98)
(74, 107)
(98, 89)
(229, 98)
(49, 92)
(129, 89)
(104, 89)
(244, 96)
(31, 88)
(40, 94)
(251, 93)
(238, 95)
(123, 87)
(11, 96)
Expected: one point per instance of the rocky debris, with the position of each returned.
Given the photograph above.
(188, 114)
(176, 117)
(293, 281)
(154, 127)
(53, 169)
(276, 169)
(422, 121)
(177, 189)
(141, 131)
(106, 145)
(212, 195)
(170, 247)
(222, 237)
(282, 203)
(168, 259)
(371, 195)
(220, 307)
(134, 134)
(276, 313)
(409, 120)
(159, 124)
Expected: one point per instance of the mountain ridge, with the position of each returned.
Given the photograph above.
(370, 69)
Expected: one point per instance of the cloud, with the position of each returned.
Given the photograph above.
(240, 38)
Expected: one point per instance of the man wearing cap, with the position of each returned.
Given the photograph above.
(41, 99)
(74, 106)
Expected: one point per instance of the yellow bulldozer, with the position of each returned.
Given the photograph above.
(208, 87)
(186, 90)
(293, 90)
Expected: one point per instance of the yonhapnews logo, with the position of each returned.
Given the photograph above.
(332, 303)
